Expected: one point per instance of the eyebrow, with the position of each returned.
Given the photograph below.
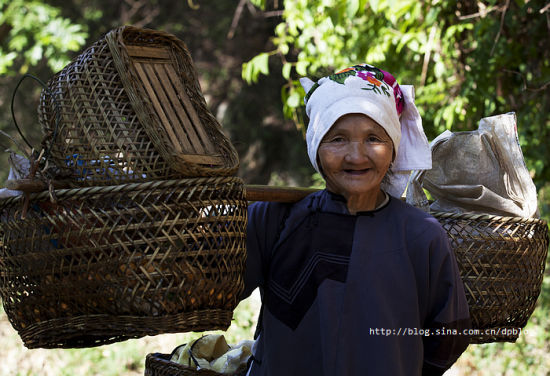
(376, 130)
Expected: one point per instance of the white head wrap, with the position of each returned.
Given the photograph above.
(368, 90)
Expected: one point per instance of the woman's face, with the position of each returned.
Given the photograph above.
(355, 155)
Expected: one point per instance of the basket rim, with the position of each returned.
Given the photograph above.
(118, 188)
(486, 217)
(50, 334)
(165, 358)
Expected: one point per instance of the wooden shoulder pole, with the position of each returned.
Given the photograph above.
(33, 185)
(252, 192)
(280, 194)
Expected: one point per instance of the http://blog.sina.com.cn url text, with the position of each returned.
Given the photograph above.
(444, 332)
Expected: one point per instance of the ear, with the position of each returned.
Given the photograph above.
(306, 83)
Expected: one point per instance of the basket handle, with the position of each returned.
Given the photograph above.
(57, 117)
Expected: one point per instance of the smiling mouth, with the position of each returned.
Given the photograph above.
(357, 172)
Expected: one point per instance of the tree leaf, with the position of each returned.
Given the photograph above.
(293, 99)
(286, 70)
(252, 69)
(261, 63)
(352, 8)
(301, 68)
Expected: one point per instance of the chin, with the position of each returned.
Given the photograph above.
(358, 191)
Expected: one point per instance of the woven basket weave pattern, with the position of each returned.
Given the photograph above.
(99, 136)
(143, 256)
(501, 262)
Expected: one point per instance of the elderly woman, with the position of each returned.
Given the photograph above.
(350, 276)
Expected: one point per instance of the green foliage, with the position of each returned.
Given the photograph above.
(36, 31)
(467, 59)
(318, 181)
(259, 3)
(258, 65)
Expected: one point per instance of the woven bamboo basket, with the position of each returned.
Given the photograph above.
(109, 263)
(157, 364)
(501, 262)
(130, 109)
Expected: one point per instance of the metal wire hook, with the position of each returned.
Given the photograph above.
(57, 117)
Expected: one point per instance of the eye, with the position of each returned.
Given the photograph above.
(337, 139)
(374, 139)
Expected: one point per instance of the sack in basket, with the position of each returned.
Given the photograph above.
(481, 171)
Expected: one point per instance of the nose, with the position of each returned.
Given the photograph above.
(356, 152)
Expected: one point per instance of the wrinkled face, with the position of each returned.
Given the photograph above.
(354, 156)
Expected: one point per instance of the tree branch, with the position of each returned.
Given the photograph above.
(273, 13)
(148, 18)
(132, 9)
(427, 56)
(483, 13)
(501, 26)
(251, 8)
(524, 80)
(129, 11)
(5, 29)
(236, 18)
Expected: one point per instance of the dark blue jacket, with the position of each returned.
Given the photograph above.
(365, 294)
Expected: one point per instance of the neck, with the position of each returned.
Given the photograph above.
(359, 203)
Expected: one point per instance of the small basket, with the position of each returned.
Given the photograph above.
(109, 263)
(157, 364)
(501, 262)
(130, 109)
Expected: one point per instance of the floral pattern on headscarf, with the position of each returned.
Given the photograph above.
(375, 78)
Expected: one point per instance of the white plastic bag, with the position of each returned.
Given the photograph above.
(19, 169)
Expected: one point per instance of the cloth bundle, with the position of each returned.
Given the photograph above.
(480, 171)
(213, 353)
